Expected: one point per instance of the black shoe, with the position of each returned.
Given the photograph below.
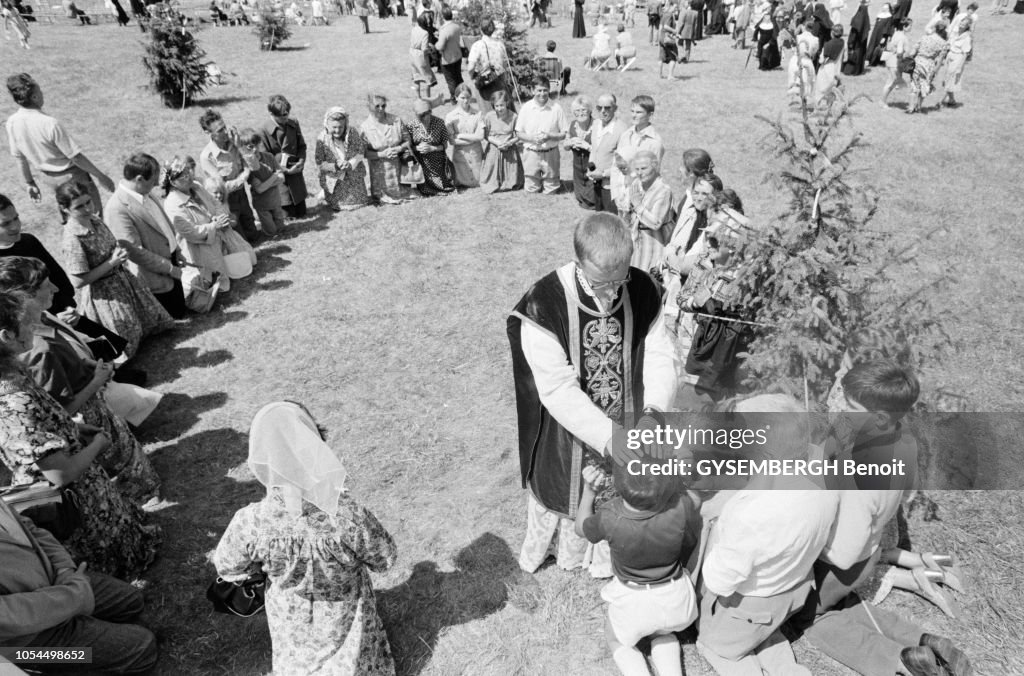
(920, 661)
(130, 376)
(949, 656)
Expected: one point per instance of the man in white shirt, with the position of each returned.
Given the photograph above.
(541, 125)
(589, 352)
(38, 141)
(761, 553)
(604, 139)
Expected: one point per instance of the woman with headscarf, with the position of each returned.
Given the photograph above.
(856, 45)
(880, 35)
(929, 53)
(317, 546)
(766, 33)
(827, 78)
(429, 142)
(387, 145)
(199, 221)
(339, 160)
(822, 30)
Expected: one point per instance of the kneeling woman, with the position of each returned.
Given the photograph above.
(429, 142)
(316, 544)
(202, 225)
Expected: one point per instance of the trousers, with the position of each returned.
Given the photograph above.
(117, 646)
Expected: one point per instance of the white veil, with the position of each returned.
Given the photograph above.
(287, 452)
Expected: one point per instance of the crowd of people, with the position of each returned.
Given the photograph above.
(646, 318)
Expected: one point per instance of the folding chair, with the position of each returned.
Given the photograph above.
(551, 68)
(626, 66)
(603, 65)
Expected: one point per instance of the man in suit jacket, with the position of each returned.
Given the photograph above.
(141, 226)
(603, 140)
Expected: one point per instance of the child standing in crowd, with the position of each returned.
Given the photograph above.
(265, 175)
(652, 529)
(712, 290)
(502, 167)
(282, 136)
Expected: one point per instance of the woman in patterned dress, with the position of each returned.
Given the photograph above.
(929, 54)
(502, 168)
(339, 159)
(62, 365)
(429, 142)
(39, 441)
(387, 140)
(316, 544)
(467, 131)
(108, 293)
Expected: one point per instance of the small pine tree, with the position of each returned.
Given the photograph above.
(820, 271)
(271, 28)
(521, 55)
(175, 61)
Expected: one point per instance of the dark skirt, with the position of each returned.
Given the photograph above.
(579, 22)
(582, 186)
(669, 52)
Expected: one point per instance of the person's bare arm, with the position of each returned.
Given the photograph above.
(61, 469)
(86, 165)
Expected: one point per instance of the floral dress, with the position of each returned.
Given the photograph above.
(466, 158)
(113, 538)
(320, 604)
(502, 169)
(385, 173)
(438, 173)
(342, 189)
(928, 56)
(119, 301)
(57, 368)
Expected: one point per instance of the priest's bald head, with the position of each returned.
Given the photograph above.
(603, 250)
(603, 239)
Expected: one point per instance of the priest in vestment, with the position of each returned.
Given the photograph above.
(591, 355)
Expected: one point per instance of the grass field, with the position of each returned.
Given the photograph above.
(390, 325)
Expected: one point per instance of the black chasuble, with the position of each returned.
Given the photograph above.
(607, 352)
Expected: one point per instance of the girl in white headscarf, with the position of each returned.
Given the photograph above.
(315, 543)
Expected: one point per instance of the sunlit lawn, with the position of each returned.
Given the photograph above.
(389, 324)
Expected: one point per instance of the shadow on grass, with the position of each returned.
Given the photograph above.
(310, 223)
(204, 488)
(292, 48)
(176, 415)
(163, 362)
(418, 610)
(223, 100)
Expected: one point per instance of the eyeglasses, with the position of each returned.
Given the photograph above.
(608, 286)
(86, 203)
(380, 106)
(605, 107)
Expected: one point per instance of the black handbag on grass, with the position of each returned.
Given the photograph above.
(244, 599)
